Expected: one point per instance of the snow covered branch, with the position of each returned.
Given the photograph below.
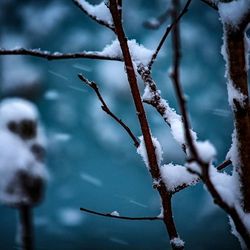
(202, 165)
(165, 35)
(58, 55)
(156, 22)
(106, 109)
(149, 146)
(99, 13)
(116, 215)
(153, 97)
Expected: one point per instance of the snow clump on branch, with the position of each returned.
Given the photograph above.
(22, 170)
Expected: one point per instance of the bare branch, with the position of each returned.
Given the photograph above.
(211, 4)
(58, 55)
(101, 22)
(110, 215)
(169, 28)
(106, 109)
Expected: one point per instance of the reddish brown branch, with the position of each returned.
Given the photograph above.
(106, 109)
(153, 165)
(110, 215)
(101, 22)
(169, 28)
(57, 55)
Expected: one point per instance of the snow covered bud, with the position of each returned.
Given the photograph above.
(22, 170)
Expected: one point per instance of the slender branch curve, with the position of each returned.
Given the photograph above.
(106, 109)
(195, 157)
(57, 55)
(110, 215)
(169, 28)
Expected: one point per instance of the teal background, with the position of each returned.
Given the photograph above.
(91, 160)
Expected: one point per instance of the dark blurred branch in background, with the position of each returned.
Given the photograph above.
(26, 228)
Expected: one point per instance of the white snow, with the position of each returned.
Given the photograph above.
(51, 95)
(233, 12)
(115, 213)
(139, 53)
(16, 157)
(175, 175)
(235, 94)
(70, 216)
(193, 167)
(177, 242)
(100, 11)
(16, 109)
(224, 184)
(206, 150)
(233, 153)
(141, 150)
(148, 94)
(170, 115)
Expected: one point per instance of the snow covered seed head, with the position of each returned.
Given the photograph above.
(19, 117)
(22, 170)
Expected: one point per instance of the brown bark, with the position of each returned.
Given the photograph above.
(237, 73)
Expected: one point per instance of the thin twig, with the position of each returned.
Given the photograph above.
(110, 215)
(101, 22)
(57, 55)
(169, 28)
(106, 109)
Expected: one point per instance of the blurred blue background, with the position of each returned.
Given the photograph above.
(91, 160)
